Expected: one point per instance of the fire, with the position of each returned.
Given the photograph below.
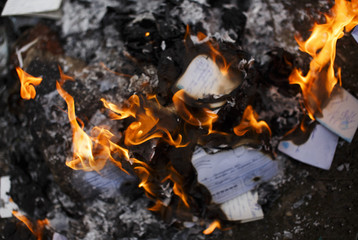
(320, 80)
(249, 122)
(82, 143)
(157, 206)
(176, 178)
(147, 124)
(201, 118)
(28, 84)
(104, 148)
(89, 153)
(216, 55)
(144, 172)
(215, 224)
(37, 230)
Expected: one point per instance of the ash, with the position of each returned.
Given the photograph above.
(104, 48)
(269, 20)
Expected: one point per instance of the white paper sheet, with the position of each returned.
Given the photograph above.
(318, 151)
(6, 206)
(355, 33)
(203, 77)
(231, 173)
(341, 114)
(243, 207)
(28, 7)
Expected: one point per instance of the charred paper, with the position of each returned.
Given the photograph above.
(203, 77)
(231, 173)
(317, 151)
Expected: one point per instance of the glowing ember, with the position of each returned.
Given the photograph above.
(320, 80)
(28, 84)
(212, 227)
(249, 122)
(37, 230)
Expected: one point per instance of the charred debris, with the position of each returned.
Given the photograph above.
(116, 49)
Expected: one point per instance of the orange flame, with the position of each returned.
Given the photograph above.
(103, 148)
(28, 83)
(249, 122)
(147, 125)
(320, 80)
(82, 143)
(37, 230)
(157, 206)
(178, 190)
(215, 224)
(203, 118)
(89, 153)
(143, 172)
(215, 54)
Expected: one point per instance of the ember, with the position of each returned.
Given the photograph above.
(188, 109)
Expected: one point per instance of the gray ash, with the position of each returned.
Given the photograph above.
(97, 36)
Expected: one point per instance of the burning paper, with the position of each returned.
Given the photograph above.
(231, 173)
(341, 114)
(243, 207)
(203, 77)
(41, 8)
(6, 205)
(318, 151)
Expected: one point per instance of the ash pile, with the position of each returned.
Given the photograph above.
(170, 119)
